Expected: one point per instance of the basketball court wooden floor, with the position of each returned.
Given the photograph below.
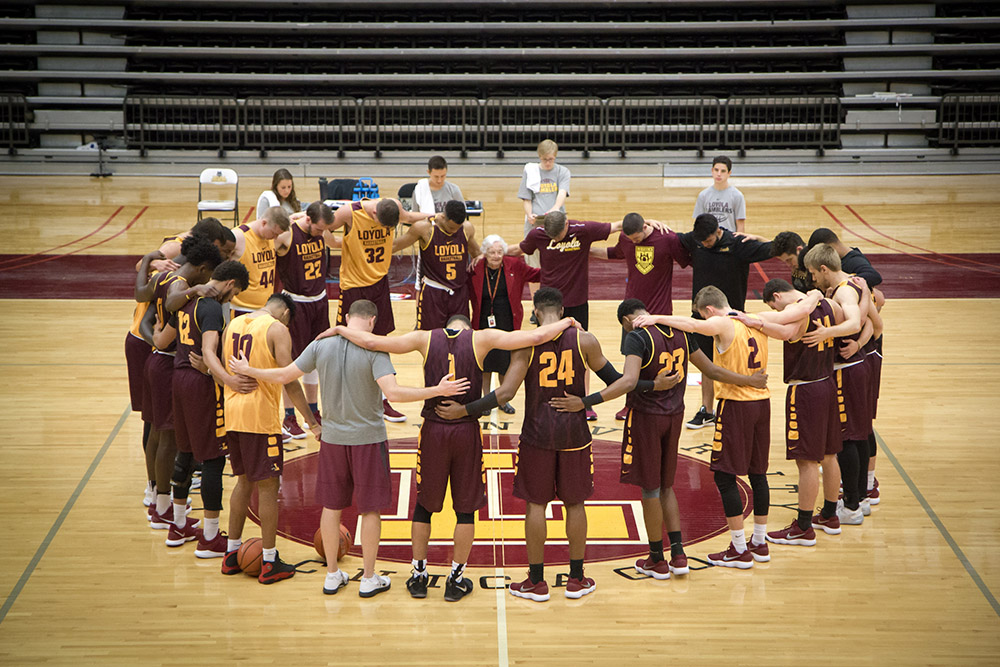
(85, 581)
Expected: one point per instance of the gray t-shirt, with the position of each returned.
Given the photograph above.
(352, 399)
(726, 205)
(447, 192)
(553, 180)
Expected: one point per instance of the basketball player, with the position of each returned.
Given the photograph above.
(202, 256)
(170, 247)
(253, 427)
(353, 447)
(255, 250)
(369, 228)
(742, 428)
(198, 407)
(789, 248)
(873, 352)
(446, 246)
(851, 374)
(450, 451)
(653, 426)
(812, 419)
(303, 264)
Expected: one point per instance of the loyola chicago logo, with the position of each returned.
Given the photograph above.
(614, 514)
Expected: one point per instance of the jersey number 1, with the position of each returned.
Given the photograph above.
(242, 344)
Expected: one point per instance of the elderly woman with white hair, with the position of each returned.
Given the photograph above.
(496, 287)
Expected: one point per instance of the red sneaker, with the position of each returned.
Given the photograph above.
(622, 414)
(231, 562)
(577, 588)
(178, 536)
(159, 521)
(318, 417)
(760, 552)
(215, 548)
(591, 415)
(830, 526)
(793, 535)
(679, 565)
(291, 426)
(657, 570)
(732, 558)
(391, 415)
(525, 589)
(273, 572)
(873, 494)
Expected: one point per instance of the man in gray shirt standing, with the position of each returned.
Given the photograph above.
(353, 448)
(722, 200)
(544, 188)
(432, 193)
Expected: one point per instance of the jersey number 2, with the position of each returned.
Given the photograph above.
(562, 367)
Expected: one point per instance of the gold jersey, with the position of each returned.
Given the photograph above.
(140, 312)
(367, 250)
(260, 410)
(259, 258)
(746, 355)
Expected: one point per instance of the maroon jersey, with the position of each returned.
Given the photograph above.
(565, 264)
(556, 368)
(651, 268)
(859, 355)
(163, 281)
(445, 258)
(191, 321)
(804, 363)
(451, 352)
(664, 350)
(304, 267)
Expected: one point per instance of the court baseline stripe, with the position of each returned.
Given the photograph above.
(247, 216)
(19, 586)
(86, 236)
(503, 659)
(983, 588)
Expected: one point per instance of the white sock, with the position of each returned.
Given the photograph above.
(233, 545)
(180, 517)
(420, 566)
(162, 503)
(759, 533)
(211, 528)
(871, 480)
(457, 569)
(270, 555)
(739, 540)
(333, 579)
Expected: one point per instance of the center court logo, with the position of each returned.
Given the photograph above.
(615, 526)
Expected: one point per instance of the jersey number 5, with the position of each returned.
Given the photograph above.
(562, 367)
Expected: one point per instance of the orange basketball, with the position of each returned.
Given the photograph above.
(250, 556)
(345, 542)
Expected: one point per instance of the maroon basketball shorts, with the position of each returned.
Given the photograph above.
(160, 385)
(378, 293)
(435, 306)
(854, 400)
(259, 456)
(137, 351)
(452, 451)
(358, 472)
(199, 424)
(649, 449)
(742, 436)
(874, 362)
(812, 424)
(542, 475)
(311, 319)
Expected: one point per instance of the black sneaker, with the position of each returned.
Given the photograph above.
(507, 408)
(533, 319)
(271, 573)
(417, 584)
(231, 562)
(453, 592)
(701, 419)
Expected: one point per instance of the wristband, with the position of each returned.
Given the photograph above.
(644, 385)
(481, 405)
(608, 374)
(593, 399)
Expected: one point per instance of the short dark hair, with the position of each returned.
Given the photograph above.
(775, 286)
(547, 298)
(210, 228)
(363, 308)
(319, 212)
(722, 159)
(387, 212)
(458, 318)
(232, 270)
(554, 223)
(631, 224)
(228, 236)
(705, 225)
(786, 242)
(822, 235)
(286, 301)
(455, 211)
(437, 162)
(201, 251)
(629, 307)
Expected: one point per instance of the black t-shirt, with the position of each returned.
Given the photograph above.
(725, 265)
(638, 345)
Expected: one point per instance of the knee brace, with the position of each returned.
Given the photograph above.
(420, 514)
(211, 483)
(466, 517)
(872, 449)
(648, 494)
(730, 493)
(180, 482)
(761, 494)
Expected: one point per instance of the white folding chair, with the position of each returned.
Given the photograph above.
(217, 179)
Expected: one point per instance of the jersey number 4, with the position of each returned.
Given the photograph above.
(561, 367)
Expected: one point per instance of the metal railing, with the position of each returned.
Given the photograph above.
(432, 124)
(310, 123)
(183, 122)
(969, 120)
(663, 122)
(13, 122)
(520, 123)
(782, 122)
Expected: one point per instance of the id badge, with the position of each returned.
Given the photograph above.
(491, 321)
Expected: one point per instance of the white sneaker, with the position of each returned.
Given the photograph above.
(848, 516)
(195, 483)
(866, 507)
(148, 497)
(334, 582)
(372, 586)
